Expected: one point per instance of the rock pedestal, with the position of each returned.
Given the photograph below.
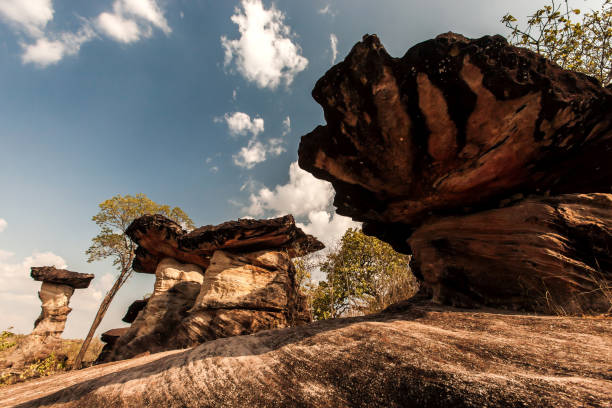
(216, 281)
(57, 288)
(426, 148)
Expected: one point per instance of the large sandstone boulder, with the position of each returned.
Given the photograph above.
(244, 293)
(453, 126)
(545, 254)
(423, 357)
(424, 149)
(241, 281)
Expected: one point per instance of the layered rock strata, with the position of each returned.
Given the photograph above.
(459, 126)
(241, 281)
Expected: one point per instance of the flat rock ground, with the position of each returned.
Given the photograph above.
(418, 356)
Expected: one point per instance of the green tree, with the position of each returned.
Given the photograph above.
(555, 32)
(363, 275)
(114, 217)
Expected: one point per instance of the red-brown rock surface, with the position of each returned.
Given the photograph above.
(546, 254)
(159, 237)
(423, 357)
(454, 125)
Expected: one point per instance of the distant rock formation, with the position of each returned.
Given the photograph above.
(424, 356)
(57, 288)
(216, 281)
(459, 126)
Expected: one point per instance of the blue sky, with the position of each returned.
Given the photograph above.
(197, 104)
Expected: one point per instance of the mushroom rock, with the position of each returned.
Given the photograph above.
(541, 254)
(454, 126)
(159, 237)
(426, 148)
(242, 280)
(57, 288)
(244, 293)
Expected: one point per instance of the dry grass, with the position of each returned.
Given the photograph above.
(58, 361)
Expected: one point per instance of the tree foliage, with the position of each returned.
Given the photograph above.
(363, 275)
(556, 32)
(114, 217)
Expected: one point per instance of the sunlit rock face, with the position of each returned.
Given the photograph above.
(52, 319)
(425, 148)
(244, 293)
(243, 281)
(176, 287)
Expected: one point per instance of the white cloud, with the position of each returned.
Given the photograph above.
(275, 147)
(3, 224)
(132, 20)
(241, 124)
(286, 126)
(333, 41)
(306, 198)
(264, 53)
(325, 10)
(302, 194)
(118, 28)
(250, 155)
(129, 21)
(214, 169)
(46, 51)
(30, 16)
(327, 227)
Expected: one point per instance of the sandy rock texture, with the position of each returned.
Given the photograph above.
(176, 287)
(547, 254)
(454, 125)
(421, 356)
(241, 280)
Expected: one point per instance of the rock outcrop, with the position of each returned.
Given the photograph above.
(459, 126)
(422, 357)
(546, 254)
(57, 288)
(240, 281)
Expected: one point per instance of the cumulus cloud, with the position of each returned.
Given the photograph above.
(30, 16)
(132, 20)
(214, 169)
(302, 194)
(328, 227)
(46, 51)
(327, 10)
(129, 21)
(241, 124)
(3, 224)
(308, 199)
(333, 42)
(265, 53)
(255, 152)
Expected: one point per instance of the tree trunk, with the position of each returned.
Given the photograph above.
(98, 319)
